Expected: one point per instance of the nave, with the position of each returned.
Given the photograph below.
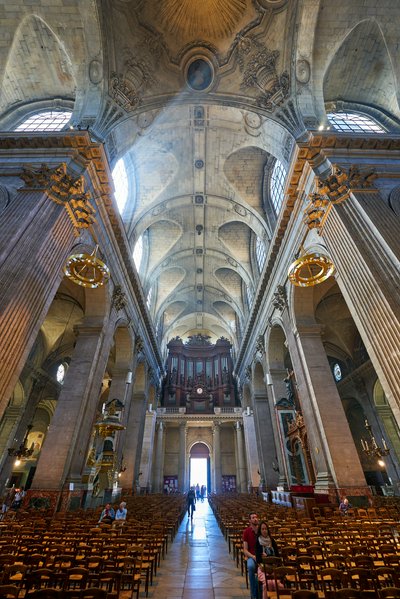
(198, 564)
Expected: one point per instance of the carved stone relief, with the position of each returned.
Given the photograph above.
(303, 71)
(259, 67)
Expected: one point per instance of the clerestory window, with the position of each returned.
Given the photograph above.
(353, 122)
(53, 120)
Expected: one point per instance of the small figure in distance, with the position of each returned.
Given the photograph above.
(344, 506)
(191, 500)
(107, 515)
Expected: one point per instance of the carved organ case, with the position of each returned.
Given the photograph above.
(199, 375)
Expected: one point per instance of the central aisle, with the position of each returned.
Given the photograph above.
(198, 564)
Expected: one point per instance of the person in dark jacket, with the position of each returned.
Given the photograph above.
(191, 500)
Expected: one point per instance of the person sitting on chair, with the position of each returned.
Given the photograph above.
(249, 550)
(344, 506)
(265, 546)
(107, 515)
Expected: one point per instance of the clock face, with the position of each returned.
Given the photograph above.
(199, 391)
(337, 372)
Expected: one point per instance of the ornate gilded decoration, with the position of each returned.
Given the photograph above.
(336, 187)
(119, 298)
(208, 18)
(316, 211)
(310, 270)
(63, 189)
(361, 178)
(87, 270)
(258, 65)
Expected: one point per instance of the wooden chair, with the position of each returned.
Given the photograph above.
(390, 593)
(348, 594)
(286, 580)
(387, 577)
(305, 594)
(93, 593)
(332, 579)
(48, 593)
(110, 581)
(9, 591)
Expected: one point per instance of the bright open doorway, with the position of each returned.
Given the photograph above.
(198, 472)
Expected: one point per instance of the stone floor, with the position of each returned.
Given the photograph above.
(198, 564)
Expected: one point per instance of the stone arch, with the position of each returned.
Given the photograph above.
(204, 442)
(258, 378)
(36, 48)
(251, 161)
(359, 73)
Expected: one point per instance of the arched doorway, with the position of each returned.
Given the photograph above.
(199, 466)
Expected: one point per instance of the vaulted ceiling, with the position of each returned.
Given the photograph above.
(200, 98)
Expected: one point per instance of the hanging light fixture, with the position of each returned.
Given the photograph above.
(23, 452)
(87, 270)
(371, 447)
(310, 269)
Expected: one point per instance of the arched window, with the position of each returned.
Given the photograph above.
(120, 178)
(261, 253)
(249, 296)
(353, 122)
(149, 297)
(60, 374)
(138, 253)
(277, 185)
(54, 120)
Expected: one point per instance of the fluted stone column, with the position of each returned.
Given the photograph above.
(36, 235)
(338, 444)
(182, 457)
(242, 472)
(277, 390)
(64, 433)
(217, 478)
(363, 238)
(132, 441)
(249, 431)
(146, 460)
(159, 465)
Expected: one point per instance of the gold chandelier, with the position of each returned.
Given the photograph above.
(87, 270)
(371, 447)
(310, 270)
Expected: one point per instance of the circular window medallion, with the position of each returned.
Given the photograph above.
(199, 75)
(337, 372)
(199, 391)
